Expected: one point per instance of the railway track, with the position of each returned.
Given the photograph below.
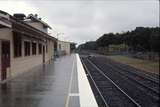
(150, 76)
(140, 93)
(97, 92)
(111, 94)
(149, 85)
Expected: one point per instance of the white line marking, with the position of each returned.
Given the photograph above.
(70, 84)
(73, 94)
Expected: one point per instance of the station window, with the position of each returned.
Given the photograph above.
(40, 48)
(34, 48)
(59, 46)
(17, 43)
(26, 48)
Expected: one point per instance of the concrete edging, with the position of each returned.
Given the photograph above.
(86, 95)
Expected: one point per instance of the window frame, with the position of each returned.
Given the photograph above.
(27, 48)
(34, 48)
(39, 48)
(17, 44)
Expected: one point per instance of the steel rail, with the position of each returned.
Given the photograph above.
(138, 105)
(127, 76)
(95, 84)
(140, 74)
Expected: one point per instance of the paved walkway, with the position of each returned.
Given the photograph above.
(53, 85)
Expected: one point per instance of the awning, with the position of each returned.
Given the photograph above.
(4, 21)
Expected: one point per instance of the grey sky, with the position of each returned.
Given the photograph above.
(81, 21)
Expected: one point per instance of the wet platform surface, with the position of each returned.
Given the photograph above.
(52, 85)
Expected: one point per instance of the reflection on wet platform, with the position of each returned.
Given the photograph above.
(43, 86)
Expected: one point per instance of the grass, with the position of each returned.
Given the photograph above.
(145, 65)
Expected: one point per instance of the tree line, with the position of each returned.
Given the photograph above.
(142, 39)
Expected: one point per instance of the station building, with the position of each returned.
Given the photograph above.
(64, 47)
(24, 44)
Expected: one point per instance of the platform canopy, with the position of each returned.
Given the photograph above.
(4, 20)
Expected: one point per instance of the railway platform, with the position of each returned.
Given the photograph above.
(61, 83)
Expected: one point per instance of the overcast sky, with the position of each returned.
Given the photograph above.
(84, 20)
